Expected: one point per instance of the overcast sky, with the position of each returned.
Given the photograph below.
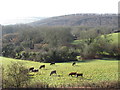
(48, 8)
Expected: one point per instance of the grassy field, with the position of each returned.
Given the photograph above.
(94, 72)
(113, 36)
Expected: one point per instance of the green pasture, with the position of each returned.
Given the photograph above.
(94, 71)
(114, 37)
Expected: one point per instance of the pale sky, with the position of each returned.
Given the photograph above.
(11, 9)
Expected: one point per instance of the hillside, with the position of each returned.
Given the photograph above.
(92, 20)
(113, 36)
(96, 73)
(49, 42)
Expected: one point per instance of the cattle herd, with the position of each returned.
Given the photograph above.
(55, 72)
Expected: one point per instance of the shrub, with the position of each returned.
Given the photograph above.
(113, 50)
(15, 75)
(89, 52)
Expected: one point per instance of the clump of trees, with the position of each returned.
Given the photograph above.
(46, 44)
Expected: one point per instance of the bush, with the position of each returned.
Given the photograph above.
(15, 75)
(113, 50)
(89, 52)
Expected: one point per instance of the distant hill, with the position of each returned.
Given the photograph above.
(92, 20)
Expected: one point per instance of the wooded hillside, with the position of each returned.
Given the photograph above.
(92, 20)
(55, 42)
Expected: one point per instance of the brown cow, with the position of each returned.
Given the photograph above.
(35, 70)
(31, 68)
(73, 63)
(72, 73)
(79, 74)
(52, 63)
(53, 72)
(42, 66)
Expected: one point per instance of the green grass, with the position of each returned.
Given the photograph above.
(114, 37)
(94, 71)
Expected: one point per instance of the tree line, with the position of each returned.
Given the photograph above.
(55, 43)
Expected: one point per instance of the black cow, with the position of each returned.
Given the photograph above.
(52, 63)
(53, 72)
(73, 63)
(79, 74)
(35, 70)
(72, 73)
(42, 66)
(31, 68)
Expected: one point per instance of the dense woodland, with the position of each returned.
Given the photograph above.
(57, 43)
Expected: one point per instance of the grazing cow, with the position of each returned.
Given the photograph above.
(73, 63)
(79, 74)
(42, 66)
(72, 73)
(31, 68)
(35, 70)
(53, 72)
(52, 63)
